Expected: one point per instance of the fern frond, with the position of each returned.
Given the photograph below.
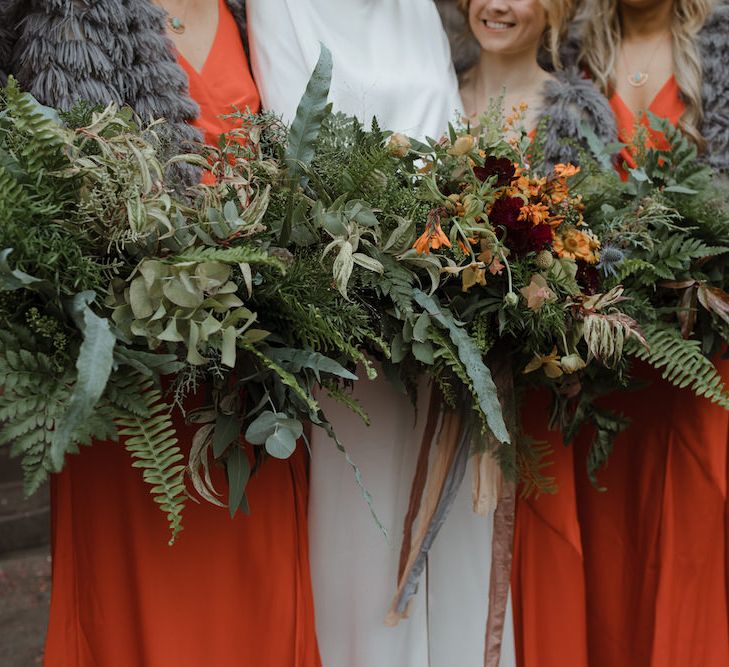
(152, 442)
(682, 363)
(532, 458)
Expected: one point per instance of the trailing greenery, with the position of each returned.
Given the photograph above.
(309, 252)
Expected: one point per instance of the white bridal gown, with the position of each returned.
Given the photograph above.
(391, 59)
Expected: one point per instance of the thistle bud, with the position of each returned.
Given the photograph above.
(544, 260)
(399, 145)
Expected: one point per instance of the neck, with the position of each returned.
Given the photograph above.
(514, 72)
(646, 22)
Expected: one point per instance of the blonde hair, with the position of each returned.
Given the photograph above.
(604, 34)
(559, 14)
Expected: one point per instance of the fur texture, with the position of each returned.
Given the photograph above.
(568, 101)
(714, 44)
(63, 51)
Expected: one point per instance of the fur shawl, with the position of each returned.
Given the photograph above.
(713, 44)
(62, 51)
(569, 100)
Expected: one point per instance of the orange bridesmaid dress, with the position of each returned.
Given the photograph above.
(653, 548)
(230, 592)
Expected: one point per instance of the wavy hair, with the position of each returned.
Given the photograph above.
(603, 34)
(559, 14)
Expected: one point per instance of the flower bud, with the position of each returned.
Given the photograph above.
(544, 260)
(399, 145)
(463, 145)
(572, 363)
(511, 299)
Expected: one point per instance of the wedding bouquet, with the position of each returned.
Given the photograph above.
(309, 251)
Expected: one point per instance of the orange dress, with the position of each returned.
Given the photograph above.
(650, 554)
(230, 592)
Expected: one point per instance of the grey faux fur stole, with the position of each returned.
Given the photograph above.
(63, 51)
(570, 100)
(714, 45)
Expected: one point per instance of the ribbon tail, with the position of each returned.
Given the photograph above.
(447, 477)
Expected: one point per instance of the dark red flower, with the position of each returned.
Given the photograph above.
(505, 212)
(587, 277)
(540, 236)
(522, 236)
(500, 167)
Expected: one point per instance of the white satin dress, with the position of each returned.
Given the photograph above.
(391, 60)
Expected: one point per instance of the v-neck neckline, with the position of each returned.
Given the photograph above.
(657, 97)
(212, 48)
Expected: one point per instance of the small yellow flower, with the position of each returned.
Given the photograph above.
(549, 363)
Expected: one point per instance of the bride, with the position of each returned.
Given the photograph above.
(392, 61)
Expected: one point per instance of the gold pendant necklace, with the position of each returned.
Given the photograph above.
(639, 77)
(176, 24)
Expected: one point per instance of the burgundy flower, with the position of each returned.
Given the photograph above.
(522, 236)
(540, 236)
(505, 212)
(587, 277)
(500, 167)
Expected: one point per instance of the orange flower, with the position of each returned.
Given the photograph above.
(565, 170)
(433, 237)
(534, 213)
(576, 244)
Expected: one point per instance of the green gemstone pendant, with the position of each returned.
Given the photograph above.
(175, 24)
(638, 79)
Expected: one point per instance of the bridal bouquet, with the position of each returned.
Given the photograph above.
(309, 251)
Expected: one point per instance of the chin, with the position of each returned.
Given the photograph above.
(644, 4)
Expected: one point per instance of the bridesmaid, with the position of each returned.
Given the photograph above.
(391, 59)
(656, 542)
(515, 37)
(230, 592)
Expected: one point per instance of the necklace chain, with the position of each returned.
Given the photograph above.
(639, 78)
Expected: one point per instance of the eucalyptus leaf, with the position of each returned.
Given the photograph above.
(469, 354)
(281, 443)
(227, 430)
(238, 468)
(296, 360)
(423, 352)
(93, 365)
(310, 113)
(263, 426)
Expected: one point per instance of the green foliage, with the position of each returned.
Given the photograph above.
(35, 401)
(479, 374)
(682, 363)
(150, 439)
(93, 366)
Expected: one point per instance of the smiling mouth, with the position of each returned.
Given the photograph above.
(497, 25)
